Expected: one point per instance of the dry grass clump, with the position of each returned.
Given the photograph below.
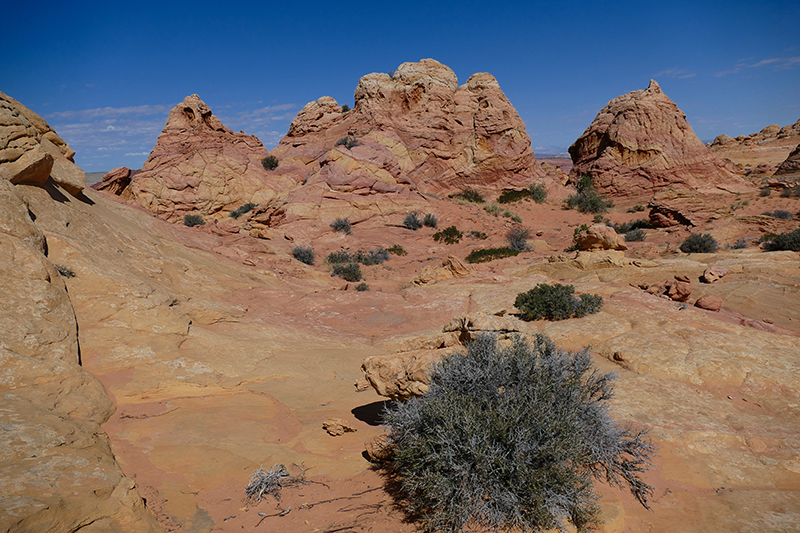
(278, 477)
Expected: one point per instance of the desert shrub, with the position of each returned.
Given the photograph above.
(242, 209)
(304, 254)
(537, 192)
(784, 241)
(430, 220)
(512, 438)
(361, 287)
(345, 108)
(342, 225)
(636, 208)
(191, 221)
(65, 271)
(789, 192)
(635, 235)
(450, 235)
(271, 482)
(625, 227)
(600, 218)
(767, 237)
(740, 244)
(517, 238)
(469, 195)
(513, 216)
(347, 271)
(372, 257)
(493, 209)
(699, 243)
(270, 162)
(412, 221)
(490, 254)
(478, 235)
(397, 250)
(765, 192)
(587, 200)
(510, 196)
(348, 142)
(779, 213)
(339, 256)
(556, 302)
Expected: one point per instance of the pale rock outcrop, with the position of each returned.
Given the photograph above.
(31, 152)
(416, 130)
(678, 289)
(641, 142)
(198, 166)
(379, 448)
(450, 268)
(713, 274)
(400, 376)
(759, 154)
(710, 302)
(337, 427)
(599, 237)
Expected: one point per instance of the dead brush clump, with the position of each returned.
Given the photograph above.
(272, 482)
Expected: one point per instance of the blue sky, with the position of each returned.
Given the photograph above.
(105, 74)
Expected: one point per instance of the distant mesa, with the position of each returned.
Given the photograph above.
(198, 166)
(31, 152)
(641, 142)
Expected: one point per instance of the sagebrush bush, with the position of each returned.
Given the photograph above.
(765, 192)
(430, 221)
(347, 271)
(490, 254)
(517, 238)
(270, 162)
(478, 235)
(412, 221)
(537, 192)
(635, 235)
(469, 195)
(588, 200)
(342, 225)
(556, 302)
(304, 254)
(511, 196)
(699, 243)
(625, 227)
(449, 235)
(784, 241)
(372, 257)
(397, 250)
(348, 142)
(361, 287)
(740, 244)
(636, 208)
(779, 213)
(512, 438)
(191, 221)
(789, 192)
(242, 209)
(493, 209)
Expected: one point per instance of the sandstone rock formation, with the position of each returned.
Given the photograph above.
(710, 302)
(450, 268)
(790, 168)
(713, 274)
(758, 153)
(31, 152)
(641, 142)
(599, 237)
(336, 427)
(672, 206)
(414, 130)
(198, 166)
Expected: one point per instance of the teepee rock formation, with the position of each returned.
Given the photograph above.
(641, 142)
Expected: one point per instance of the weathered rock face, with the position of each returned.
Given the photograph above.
(198, 166)
(791, 167)
(641, 142)
(31, 152)
(599, 237)
(758, 153)
(672, 206)
(415, 130)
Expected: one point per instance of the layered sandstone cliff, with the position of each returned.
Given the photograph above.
(641, 142)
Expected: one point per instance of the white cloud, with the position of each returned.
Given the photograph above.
(778, 63)
(129, 154)
(107, 112)
(675, 73)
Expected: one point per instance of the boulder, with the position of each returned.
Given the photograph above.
(641, 142)
(337, 427)
(450, 268)
(709, 302)
(198, 166)
(31, 152)
(116, 182)
(400, 376)
(379, 448)
(713, 274)
(599, 237)
(678, 289)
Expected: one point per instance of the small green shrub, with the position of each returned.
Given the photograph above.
(412, 221)
(784, 241)
(191, 221)
(635, 235)
(790, 192)
(779, 213)
(636, 208)
(469, 195)
(765, 192)
(493, 209)
(342, 225)
(478, 235)
(512, 439)
(588, 200)
(740, 244)
(699, 243)
(361, 287)
(556, 302)
(517, 238)
(372, 257)
(490, 254)
(450, 235)
(348, 142)
(270, 162)
(345, 108)
(242, 209)
(304, 254)
(537, 192)
(513, 216)
(626, 227)
(511, 196)
(397, 250)
(347, 271)
(430, 221)
(65, 271)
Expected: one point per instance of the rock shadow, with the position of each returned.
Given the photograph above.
(372, 413)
